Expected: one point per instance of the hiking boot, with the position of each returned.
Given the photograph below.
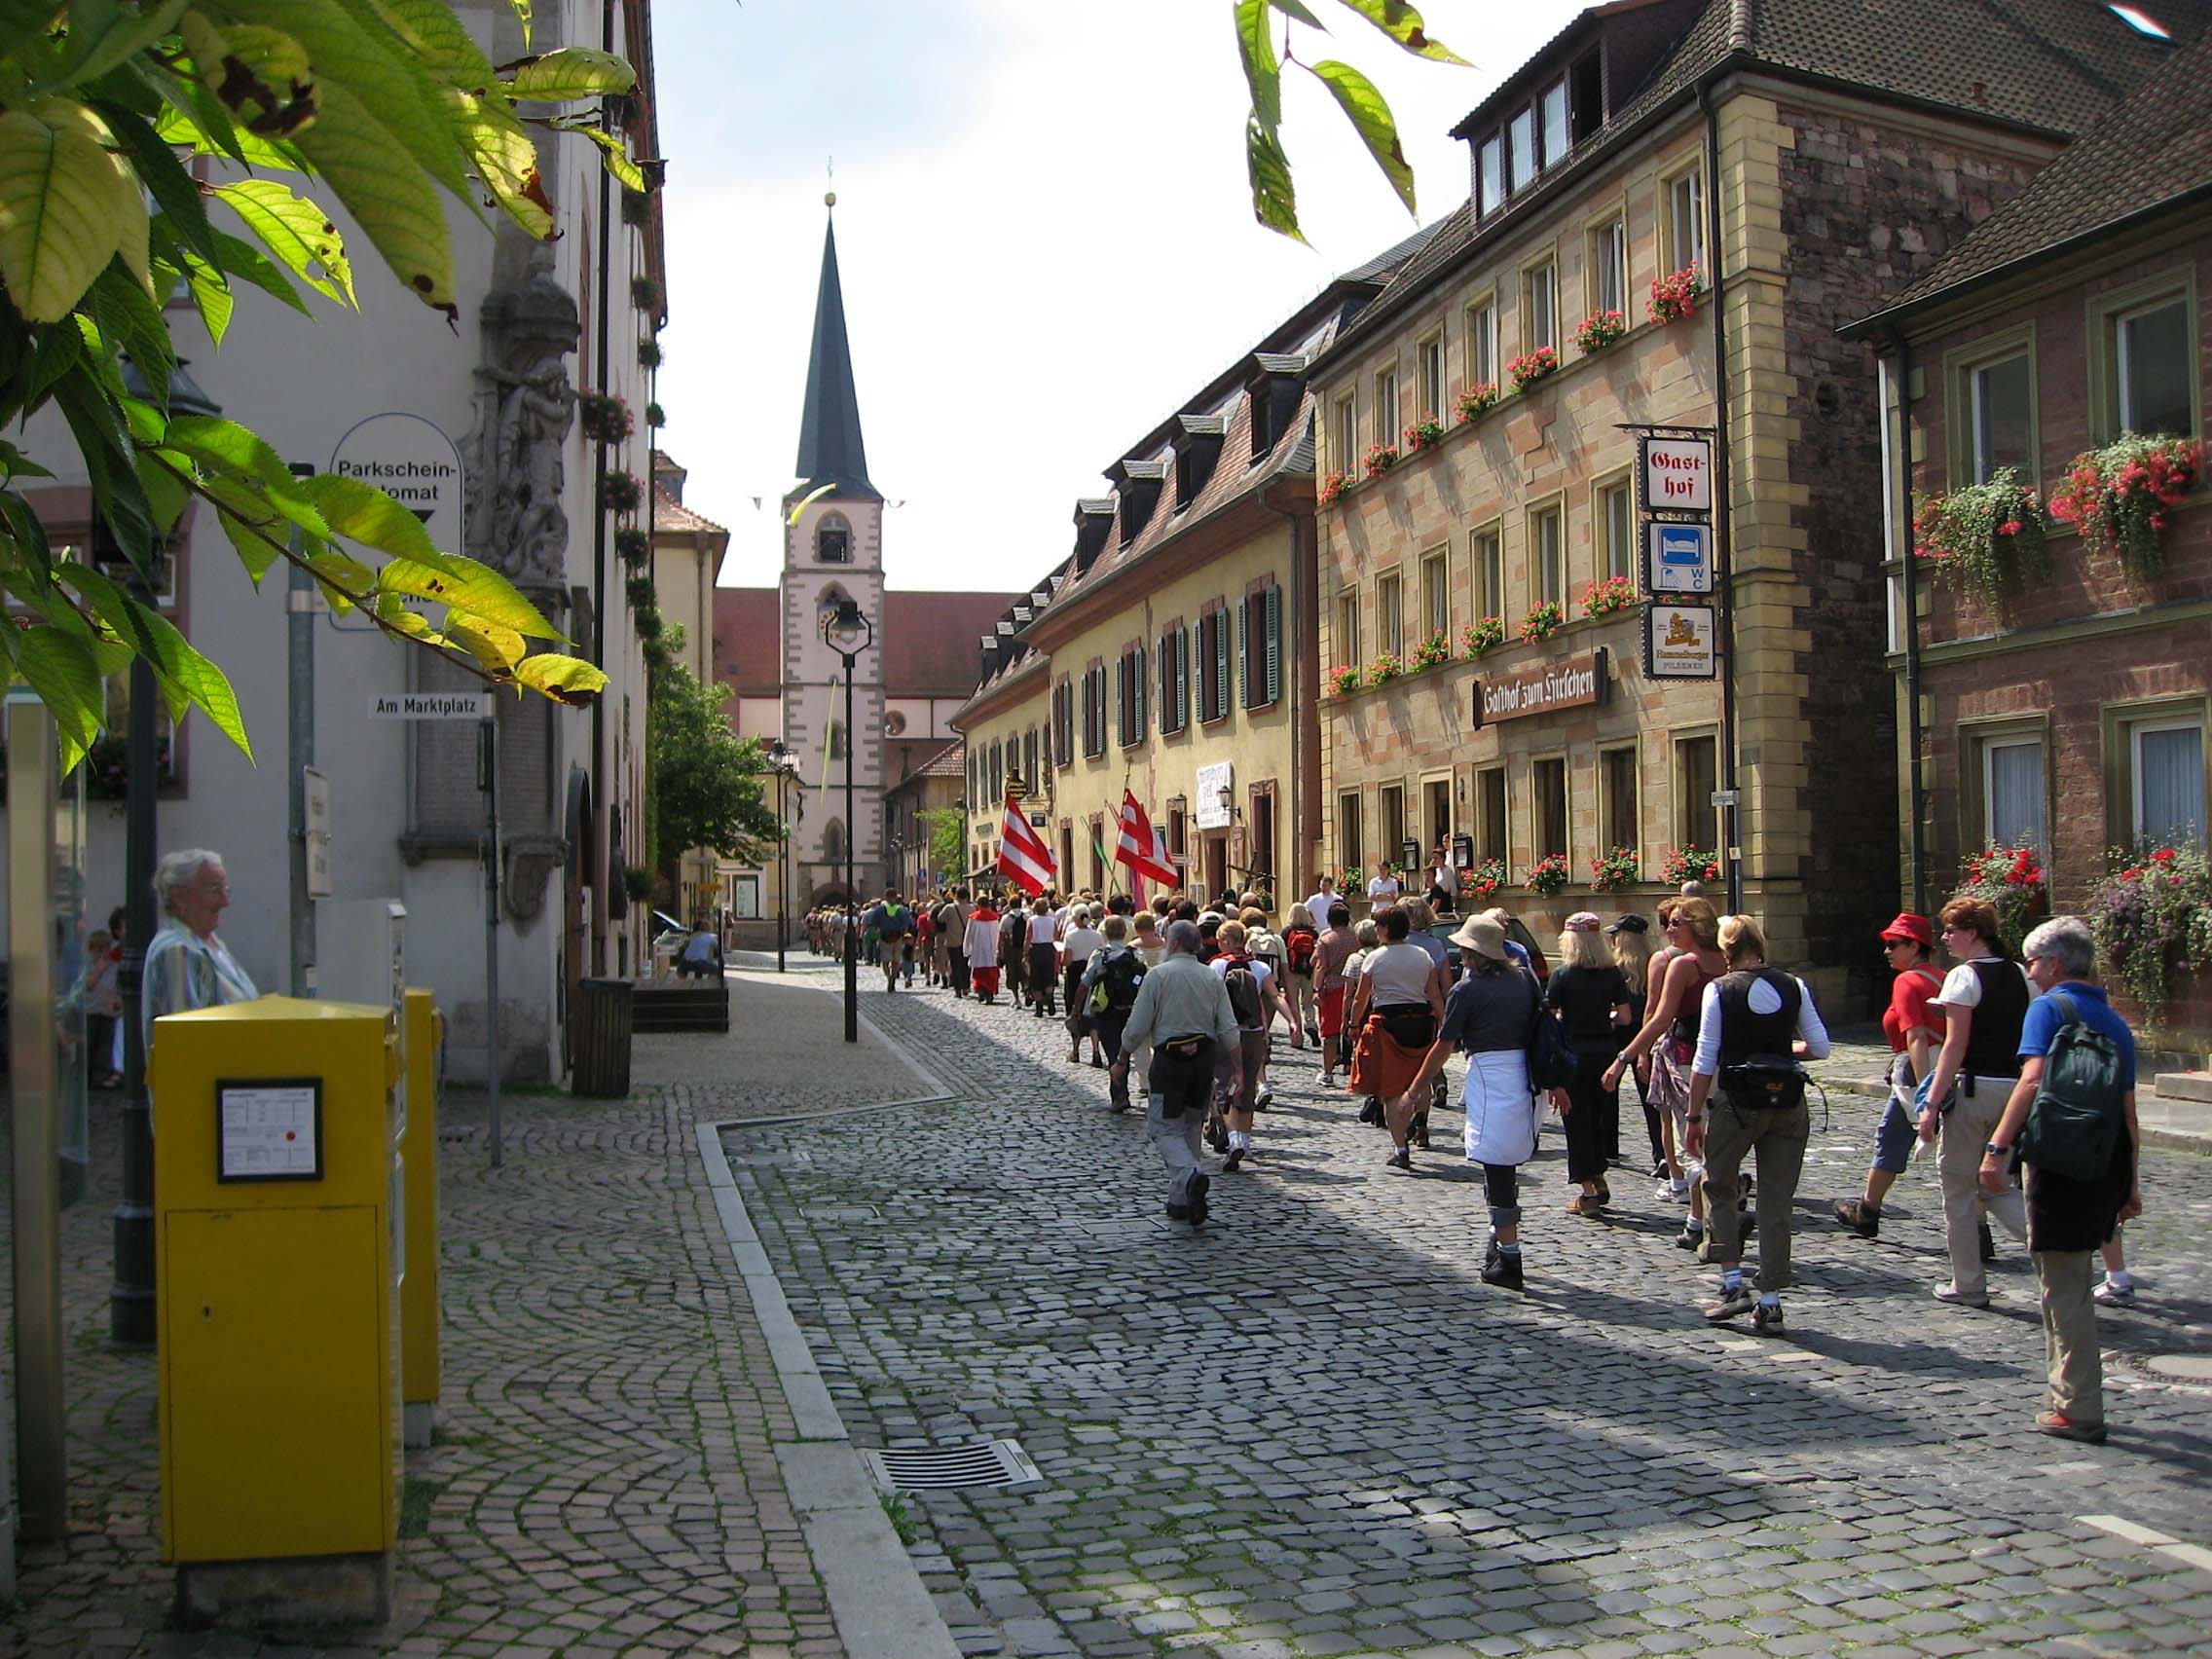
(1689, 1238)
(1503, 1271)
(1732, 1305)
(2064, 1427)
(1857, 1215)
(1766, 1321)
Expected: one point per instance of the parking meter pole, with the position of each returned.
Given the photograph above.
(488, 764)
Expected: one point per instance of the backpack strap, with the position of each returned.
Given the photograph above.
(2067, 1007)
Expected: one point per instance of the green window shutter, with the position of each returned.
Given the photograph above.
(1137, 680)
(1221, 672)
(1244, 647)
(1274, 629)
(1182, 655)
(1121, 700)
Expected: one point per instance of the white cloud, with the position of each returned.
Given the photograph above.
(1043, 233)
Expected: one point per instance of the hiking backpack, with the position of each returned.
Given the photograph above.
(2080, 1107)
(1300, 944)
(1119, 977)
(1244, 1000)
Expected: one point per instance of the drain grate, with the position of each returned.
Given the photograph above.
(934, 1468)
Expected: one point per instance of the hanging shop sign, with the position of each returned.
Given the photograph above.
(1677, 557)
(1570, 682)
(1462, 852)
(1680, 642)
(1212, 812)
(1675, 474)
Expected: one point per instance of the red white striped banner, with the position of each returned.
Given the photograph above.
(1141, 847)
(1023, 857)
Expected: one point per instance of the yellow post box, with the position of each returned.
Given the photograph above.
(420, 1316)
(279, 1234)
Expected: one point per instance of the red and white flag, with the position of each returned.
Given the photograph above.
(1141, 847)
(1023, 857)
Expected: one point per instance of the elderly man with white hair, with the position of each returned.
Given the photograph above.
(187, 965)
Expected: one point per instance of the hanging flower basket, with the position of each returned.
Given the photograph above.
(655, 416)
(2010, 881)
(1333, 486)
(1478, 400)
(1541, 623)
(1526, 371)
(1344, 681)
(620, 493)
(1547, 875)
(604, 416)
(1484, 634)
(1598, 330)
(637, 208)
(649, 352)
(1689, 864)
(1612, 871)
(638, 883)
(2152, 921)
(632, 545)
(1378, 459)
(1425, 433)
(1483, 880)
(640, 593)
(2121, 497)
(1386, 667)
(107, 767)
(644, 293)
(1606, 598)
(646, 619)
(1675, 298)
(1434, 652)
(1985, 538)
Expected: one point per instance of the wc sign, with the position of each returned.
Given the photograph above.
(1677, 474)
(1679, 558)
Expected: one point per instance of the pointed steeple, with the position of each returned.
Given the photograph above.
(830, 446)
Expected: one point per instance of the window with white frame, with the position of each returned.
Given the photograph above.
(1435, 595)
(2166, 781)
(1489, 175)
(1999, 412)
(1521, 149)
(1490, 574)
(1547, 554)
(1432, 361)
(2152, 368)
(1386, 406)
(1609, 266)
(1540, 306)
(1556, 140)
(1616, 530)
(1343, 435)
(1348, 629)
(1482, 344)
(2013, 793)
(1389, 614)
(1686, 221)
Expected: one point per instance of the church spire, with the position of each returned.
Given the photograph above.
(830, 446)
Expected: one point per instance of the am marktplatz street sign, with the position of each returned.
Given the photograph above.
(430, 706)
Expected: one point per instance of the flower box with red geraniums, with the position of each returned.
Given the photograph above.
(1425, 434)
(632, 545)
(2010, 880)
(1598, 330)
(1611, 873)
(2152, 921)
(1547, 875)
(1333, 486)
(1386, 667)
(2121, 497)
(1434, 652)
(1542, 623)
(1378, 459)
(1478, 400)
(1484, 634)
(1983, 537)
(1689, 864)
(1484, 881)
(1604, 599)
(620, 493)
(1526, 371)
(1343, 682)
(604, 416)
(1675, 297)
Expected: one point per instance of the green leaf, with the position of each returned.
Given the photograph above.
(430, 30)
(257, 533)
(249, 265)
(479, 593)
(196, 678)
(1299, 10)
(65, 204)
(261, 75)
(229, 448)
(361, 512)
(129, 322)
(297, 232)
(33, 553)
(1256, 46)
(166, 494)
(57, 350)
(504, 158)
(497, 649)
(339, 575)
(563, 678)
(15, 463)
(174, 191)
(388, 196)
(24, 26)
(103, 443)
(103, 35)
(1371, 119)
(627, 173)
(570, 73)
(1403, 25)
(1275, 201)
(59, 665)
(211, 295)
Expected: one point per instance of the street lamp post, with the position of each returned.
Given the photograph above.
(848, 633)
(779, 760)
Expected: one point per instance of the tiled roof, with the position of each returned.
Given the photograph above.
(2155, 150)
(2051, 66)
(671, 517)
(749, 641)
(929, 641)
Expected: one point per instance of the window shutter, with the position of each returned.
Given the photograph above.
(1122, 699)
(1244, 646)
(1166, 686)
(1221, 679)
(1182, 654)
(1273, 630)
(1138, 689)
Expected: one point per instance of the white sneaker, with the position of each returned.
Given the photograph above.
(1265, 1096)
(1674, 1192)
(1948, 1291)
(2114, 1295)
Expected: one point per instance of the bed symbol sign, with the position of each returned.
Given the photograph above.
(1679, 558)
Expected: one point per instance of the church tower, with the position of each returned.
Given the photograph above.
(832, 553)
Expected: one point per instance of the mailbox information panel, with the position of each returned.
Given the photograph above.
(269, 1129)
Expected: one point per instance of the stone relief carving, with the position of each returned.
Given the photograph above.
(530, 861)
(527, 409)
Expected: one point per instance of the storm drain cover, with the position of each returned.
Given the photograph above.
(934, 1468)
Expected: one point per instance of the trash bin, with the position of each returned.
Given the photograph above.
(603, 1038)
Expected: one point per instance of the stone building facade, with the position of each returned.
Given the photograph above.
(1830, 160)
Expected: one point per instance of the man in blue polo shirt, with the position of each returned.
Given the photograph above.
(2068, 1220)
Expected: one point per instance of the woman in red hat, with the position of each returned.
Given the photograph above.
(1914, 1026)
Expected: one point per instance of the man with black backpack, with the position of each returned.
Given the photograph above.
(1108, 991)
(1752, 1024)
(891, 922)
(2071, 1121)
(1253, 1001)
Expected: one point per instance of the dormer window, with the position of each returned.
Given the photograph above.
(1197, 448)
(1276, 390)
(1543, 133)
(1140, 482)
(833, 540)
(1521, 149)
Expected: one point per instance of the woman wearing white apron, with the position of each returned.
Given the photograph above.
(1487, 1016)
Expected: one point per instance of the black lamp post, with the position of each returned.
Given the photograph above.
(780, 763)
(848, 633)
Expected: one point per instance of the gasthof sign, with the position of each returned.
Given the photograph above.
(1574, 683)
(1677, 474)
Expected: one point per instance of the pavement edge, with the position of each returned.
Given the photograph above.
(877, 1596)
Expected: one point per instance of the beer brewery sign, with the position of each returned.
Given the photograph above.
(1674, 486)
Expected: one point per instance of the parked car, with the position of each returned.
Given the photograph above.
(1515, 930)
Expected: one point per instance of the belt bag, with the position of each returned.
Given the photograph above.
(1764, 1082)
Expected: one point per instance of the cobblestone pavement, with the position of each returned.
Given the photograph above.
(1312, 1431)
(603, 1477)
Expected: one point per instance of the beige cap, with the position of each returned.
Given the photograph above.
(1483, 937)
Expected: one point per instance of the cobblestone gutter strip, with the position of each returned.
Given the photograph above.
(875, 1594)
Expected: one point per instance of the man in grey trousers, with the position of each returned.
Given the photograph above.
(1182, 1010)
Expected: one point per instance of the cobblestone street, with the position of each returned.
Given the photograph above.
(1312, 1431)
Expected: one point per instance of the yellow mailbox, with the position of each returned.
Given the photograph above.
(418, 1314)
(278, 1235)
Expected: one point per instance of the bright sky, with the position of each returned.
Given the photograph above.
(1044, 230)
